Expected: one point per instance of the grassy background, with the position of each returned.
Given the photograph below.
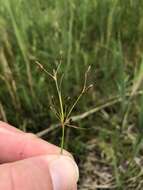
(106, 34)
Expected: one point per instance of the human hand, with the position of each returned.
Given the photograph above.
(30, 163)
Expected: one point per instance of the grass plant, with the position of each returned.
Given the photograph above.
(64, 115)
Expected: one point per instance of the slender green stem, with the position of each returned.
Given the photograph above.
(63, 138)
(41, 66)
(76, 101)
(60, 100)
(80, 95)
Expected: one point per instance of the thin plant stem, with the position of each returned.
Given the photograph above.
(63, 138)
(42, 67)
(60, 100)
(76, 101)
(84, 89)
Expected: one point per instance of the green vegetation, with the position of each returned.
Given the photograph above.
(105, 34)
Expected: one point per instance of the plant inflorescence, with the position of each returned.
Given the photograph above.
(62, 114)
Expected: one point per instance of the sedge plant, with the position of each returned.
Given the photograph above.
(63, 114)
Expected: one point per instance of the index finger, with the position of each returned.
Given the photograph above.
(17, 145)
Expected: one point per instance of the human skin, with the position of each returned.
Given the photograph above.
(30, 163)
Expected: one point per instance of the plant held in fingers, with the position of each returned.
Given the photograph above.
(63, 114)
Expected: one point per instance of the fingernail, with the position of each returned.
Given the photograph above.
(64, 173)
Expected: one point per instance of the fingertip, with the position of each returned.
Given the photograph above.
(64, 172)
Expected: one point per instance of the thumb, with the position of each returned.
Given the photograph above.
(52, 172)
(64, 172)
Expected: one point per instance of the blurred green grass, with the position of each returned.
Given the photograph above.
(108, 35)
